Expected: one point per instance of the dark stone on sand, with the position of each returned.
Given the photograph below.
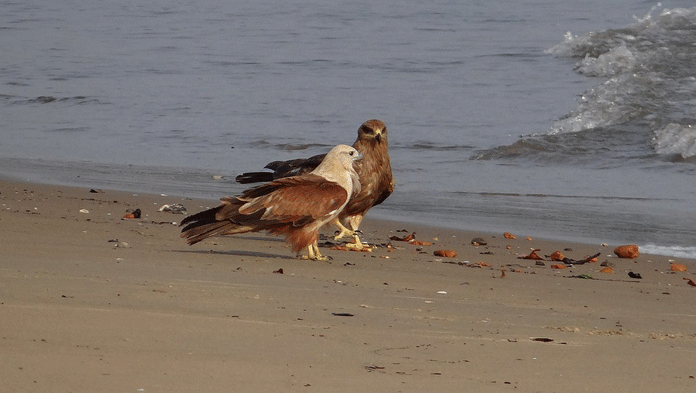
(478, 241)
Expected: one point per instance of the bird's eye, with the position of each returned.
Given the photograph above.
(351, 153)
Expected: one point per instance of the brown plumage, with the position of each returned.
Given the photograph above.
(374, 170)
(295, 207)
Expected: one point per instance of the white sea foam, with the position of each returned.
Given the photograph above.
(671, 251)
(614, 62)
(676, 139)
(649, 87)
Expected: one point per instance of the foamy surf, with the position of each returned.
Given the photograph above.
(649, 83)
(672, 251)
(676, 139)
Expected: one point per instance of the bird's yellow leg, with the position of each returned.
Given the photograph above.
(343, 230)
(313, 253)
(357, 244)
(317, 254)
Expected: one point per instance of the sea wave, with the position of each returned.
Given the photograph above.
(672, 251)
(650, 81)
(642, 109)
(676, 140)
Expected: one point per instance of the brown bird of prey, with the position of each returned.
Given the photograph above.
(295, 206)
(374, 170)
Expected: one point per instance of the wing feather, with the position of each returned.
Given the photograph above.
(296, 199)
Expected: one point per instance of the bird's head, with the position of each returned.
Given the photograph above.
(373, 130)
(343, 156)
(338, 167)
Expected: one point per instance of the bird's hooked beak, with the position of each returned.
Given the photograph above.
(359, 157)
(378, 137)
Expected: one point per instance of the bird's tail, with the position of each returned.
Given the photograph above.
(203, 225)
(254, 177)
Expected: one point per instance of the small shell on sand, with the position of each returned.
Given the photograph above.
(532, 255)
(478, 241)
(677, 267)
(445, 253)
(557, 256)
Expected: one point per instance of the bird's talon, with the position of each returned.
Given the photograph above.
(359, 247)
(342, 233)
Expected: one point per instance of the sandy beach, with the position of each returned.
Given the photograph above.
(92, 302)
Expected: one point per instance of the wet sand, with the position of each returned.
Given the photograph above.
(93, 302)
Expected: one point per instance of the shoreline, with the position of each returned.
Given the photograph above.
(211, 184)
(91, 301)
(205, 203)
(378, 225)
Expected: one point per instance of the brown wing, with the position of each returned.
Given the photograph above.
(297, 200)
(285, 206)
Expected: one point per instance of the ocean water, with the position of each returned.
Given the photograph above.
(563, 119)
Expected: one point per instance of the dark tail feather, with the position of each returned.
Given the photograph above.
(203, 225)
(254, 177)
(195, 234)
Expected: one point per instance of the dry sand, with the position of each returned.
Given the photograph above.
(82, 312)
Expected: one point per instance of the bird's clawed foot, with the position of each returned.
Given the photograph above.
(342, 232)
(313, 253)
(357, 245)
